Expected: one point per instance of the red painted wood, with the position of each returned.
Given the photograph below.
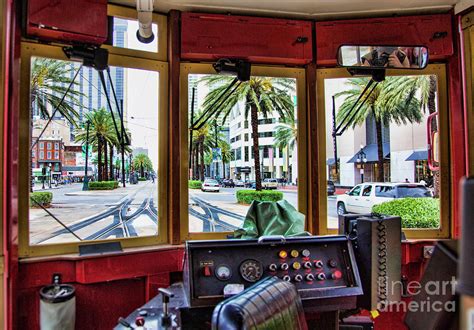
(10, 162)
(408, 30)
(260, 40)
(68, 21)
(458, 133)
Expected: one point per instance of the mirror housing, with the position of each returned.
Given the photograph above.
(382, 57)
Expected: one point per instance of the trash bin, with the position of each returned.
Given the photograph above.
(57, 307)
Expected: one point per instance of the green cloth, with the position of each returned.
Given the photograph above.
(271, 218)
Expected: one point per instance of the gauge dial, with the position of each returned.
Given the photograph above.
(223, 272)
(251, 270)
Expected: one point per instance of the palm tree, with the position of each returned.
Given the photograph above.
(426, 86)
(143, 162)
(262, 96)
(49, 81)
(101, 133)
(286, 136)
(382, 106)
(227, 154)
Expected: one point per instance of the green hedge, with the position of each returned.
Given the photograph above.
(194, 184)
(116, 184)
(103, 185)
(247, 196)
(415, 212)
(42, 197)
(141, 179)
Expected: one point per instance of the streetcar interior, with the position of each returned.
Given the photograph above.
(235, 165)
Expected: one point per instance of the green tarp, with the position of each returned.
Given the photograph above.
(271, 218)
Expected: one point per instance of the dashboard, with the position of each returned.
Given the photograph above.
(320, 268)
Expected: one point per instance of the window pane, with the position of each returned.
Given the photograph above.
(125, 35)
(222, 149)
(396, 134)
(106, 209)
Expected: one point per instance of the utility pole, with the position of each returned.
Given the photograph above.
(217, 160)
(85, 185)
(122, 144)
(334, 135)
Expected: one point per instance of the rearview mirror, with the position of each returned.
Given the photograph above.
(396, 57)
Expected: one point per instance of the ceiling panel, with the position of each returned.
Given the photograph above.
(324, 9)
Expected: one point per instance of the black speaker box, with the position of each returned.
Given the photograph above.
(377, 247)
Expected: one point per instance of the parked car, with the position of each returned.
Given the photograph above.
(228, 183)
(210, 185)
(362, 197)
(270, 183)
(239, 183)
(331, 188)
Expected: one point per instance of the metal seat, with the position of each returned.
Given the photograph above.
(269, 304)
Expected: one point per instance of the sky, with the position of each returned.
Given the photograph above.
(141, 101)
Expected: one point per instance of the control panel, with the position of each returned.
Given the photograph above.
(320, 267)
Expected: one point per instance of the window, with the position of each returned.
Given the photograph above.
(384, 191)
(355, 191)
(41, 145)
(33, 153)
(41, 155)
(125, 42)
(402, 144)
(140, 205)
(367, 190)
(205, 212)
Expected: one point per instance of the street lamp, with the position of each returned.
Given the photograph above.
(361, 159)
(50, 165)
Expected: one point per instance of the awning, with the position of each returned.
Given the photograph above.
(330, 161)
(76, 168)
(418, 155)
(371, 153)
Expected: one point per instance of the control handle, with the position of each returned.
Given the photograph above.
(272, 239)
(166, 295)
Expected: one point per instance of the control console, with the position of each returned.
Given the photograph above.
(320, 267)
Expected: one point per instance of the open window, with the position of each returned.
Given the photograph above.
(221, 158)
(83, 186)
(382, 151)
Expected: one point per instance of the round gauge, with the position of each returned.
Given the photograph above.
(223, 272)
(251, 270)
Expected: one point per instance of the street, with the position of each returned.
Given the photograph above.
(132, 211)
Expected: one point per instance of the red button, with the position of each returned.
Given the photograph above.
(140, 321)
(207, 271)
(336, 275)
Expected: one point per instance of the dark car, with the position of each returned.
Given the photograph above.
(228, 183)
(331, 188)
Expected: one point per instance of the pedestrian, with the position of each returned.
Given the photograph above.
(406, 180)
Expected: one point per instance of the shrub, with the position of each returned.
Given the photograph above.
(247, 196)
(44, 198)
(415, 212)
(141, 179)
(102, 185)
(194, 184)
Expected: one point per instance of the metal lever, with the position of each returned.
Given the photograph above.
(166, 295)
(272, 239)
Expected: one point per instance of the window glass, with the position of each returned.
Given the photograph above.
(384, 191)
(217, 142)
(355, 191)
(367, 190)
(382, 139)
(85, 176)
(125, 35)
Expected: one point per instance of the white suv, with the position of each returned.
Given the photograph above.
(362, 197)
